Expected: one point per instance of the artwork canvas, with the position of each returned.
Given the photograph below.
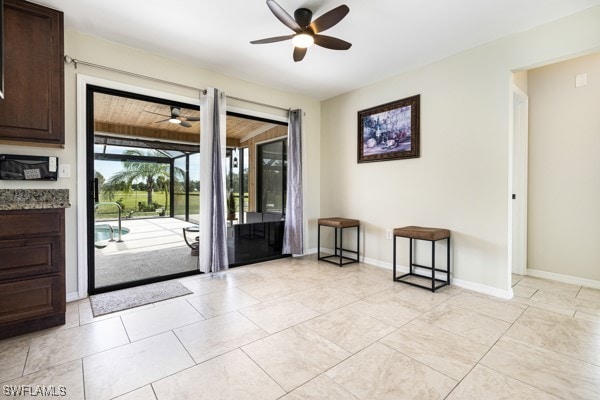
(389, 131)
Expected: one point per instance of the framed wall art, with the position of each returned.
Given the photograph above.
(389, 131)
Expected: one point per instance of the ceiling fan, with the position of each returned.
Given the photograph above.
(307, 33)
(176, 117)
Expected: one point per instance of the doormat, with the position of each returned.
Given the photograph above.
(124, 299)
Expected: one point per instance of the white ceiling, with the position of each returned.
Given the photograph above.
(388, 36)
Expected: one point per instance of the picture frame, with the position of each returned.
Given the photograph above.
(389, 131)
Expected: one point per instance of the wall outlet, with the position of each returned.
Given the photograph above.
(64, 171)
(388, 234)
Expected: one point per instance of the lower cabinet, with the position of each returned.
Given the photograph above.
(32, 270)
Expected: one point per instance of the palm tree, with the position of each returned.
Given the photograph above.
(150, 172)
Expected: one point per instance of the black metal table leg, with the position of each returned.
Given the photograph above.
(433, 266)
(319, 242)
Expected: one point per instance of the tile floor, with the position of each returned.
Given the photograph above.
(298, 329)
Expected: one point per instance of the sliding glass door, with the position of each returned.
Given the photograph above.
(143, 174)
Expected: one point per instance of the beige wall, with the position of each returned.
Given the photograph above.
(110, 54)
(460, 181)
(564, 169)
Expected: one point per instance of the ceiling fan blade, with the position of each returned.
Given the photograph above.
(150, 112)
(283, 16)
(192, 118)
(175, 111)
(332, 43)
(272, 39)
(162, 120)
(185, 124)
(329, 19)
(299, 53)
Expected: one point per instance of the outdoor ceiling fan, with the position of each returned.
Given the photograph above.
(176, 117)
(307, 33)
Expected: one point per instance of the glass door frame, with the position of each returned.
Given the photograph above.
(90, 199)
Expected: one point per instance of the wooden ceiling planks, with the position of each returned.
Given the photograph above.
(136, 118)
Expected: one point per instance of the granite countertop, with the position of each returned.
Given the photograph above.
(26, 199)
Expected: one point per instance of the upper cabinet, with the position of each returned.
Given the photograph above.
(33, 106)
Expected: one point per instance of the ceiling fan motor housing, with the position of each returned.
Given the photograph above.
(303, 17)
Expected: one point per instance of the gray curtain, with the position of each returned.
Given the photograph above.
(213, 228)
(293, 233)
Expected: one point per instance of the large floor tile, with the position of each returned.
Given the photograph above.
(546, 285)
(12, 359)
(448, 353)
(228, 279)
(159, 319)
(504, 310)
(515, 279)
(278, 315)
(349, 329)
(485, 383)
(470, 324)
(295, 356)
(542, 305)
(523, 291)
(87, 317)
(232, 376)
(62, 346)
(420, 299)
(362, 285)
(587, 317)
(145, 393)
(379, 372)
(274, 288)
(121, 370)
(589, 294)
(547, 370)
(385, 307)
(566, 335)
(579, 304)
(319, 388)
(323, 299)
(217, 303)
(207, 339)
(63, 381)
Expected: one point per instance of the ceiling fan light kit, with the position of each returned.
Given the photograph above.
(306, 30)
(176, 117)
(303, 40)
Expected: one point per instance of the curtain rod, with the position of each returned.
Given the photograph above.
(75, 62)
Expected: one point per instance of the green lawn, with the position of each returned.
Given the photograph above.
(130, 201)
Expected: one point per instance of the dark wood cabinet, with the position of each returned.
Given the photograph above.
(32, 270)
(33, 106)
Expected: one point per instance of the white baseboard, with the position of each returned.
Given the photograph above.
(538, 273)
(73, 296)
(478, 287)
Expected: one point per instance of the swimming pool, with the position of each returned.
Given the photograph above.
(104, 232)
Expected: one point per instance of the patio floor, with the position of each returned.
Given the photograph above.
(153, 247)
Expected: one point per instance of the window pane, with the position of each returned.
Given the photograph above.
(272, 162)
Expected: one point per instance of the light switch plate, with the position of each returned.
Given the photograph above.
(580, 80)
(64, 171)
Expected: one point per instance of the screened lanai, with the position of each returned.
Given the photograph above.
(144, 164)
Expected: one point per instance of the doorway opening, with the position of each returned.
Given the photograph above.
(143, 175)
(143, 188)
